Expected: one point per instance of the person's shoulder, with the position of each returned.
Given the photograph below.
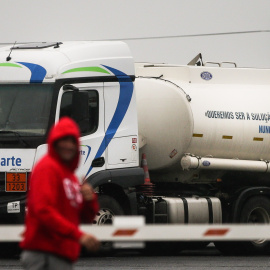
(46, 164)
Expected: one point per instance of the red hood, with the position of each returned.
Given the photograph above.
(65, 127)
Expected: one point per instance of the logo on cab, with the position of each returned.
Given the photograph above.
(206, 75)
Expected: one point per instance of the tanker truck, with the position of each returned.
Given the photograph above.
(203, 131)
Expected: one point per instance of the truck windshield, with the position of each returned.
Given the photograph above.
(25, 109)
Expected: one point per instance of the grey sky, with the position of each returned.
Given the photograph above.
(58, 20)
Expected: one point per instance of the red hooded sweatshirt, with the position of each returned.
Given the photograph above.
(55, 204)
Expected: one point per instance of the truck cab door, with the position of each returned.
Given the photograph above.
(121, 126)
(84, 103)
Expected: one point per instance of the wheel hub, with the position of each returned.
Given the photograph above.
(104, 216)
(259, 216)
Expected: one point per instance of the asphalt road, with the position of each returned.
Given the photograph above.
(209, 258)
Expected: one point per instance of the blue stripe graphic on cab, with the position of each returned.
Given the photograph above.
(125, 95)
(38, 72)
(89, 150)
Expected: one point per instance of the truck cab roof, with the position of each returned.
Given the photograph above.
(47, 62)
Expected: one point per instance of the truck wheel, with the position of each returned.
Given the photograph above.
(109, 208)
(255, 211)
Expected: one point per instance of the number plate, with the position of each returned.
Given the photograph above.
(16, 182)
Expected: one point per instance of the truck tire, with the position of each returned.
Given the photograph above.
(109, 208)
(255, 210)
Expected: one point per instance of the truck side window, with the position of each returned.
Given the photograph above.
(93, 110)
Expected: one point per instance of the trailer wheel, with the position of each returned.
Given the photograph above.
(255, 211)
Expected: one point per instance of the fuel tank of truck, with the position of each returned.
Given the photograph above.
(202, 111)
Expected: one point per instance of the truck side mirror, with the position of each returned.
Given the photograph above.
(80, 110)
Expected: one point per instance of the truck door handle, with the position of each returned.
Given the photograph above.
(98, 162)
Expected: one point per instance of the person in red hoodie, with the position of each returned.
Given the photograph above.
(57, 204)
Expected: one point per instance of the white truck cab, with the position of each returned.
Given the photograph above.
(92, 82)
